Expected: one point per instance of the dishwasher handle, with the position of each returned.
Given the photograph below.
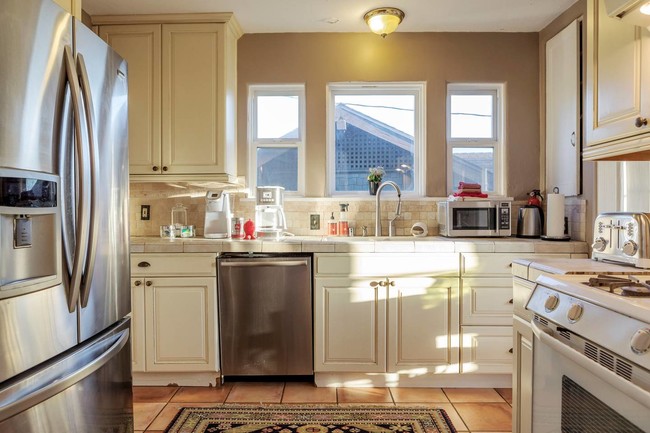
(258, 263)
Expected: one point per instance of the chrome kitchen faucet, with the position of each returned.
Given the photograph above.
(398, 211)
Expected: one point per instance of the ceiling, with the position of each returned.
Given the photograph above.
(301, 16)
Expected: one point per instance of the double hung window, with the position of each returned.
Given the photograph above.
(277, 136)
(475, 139)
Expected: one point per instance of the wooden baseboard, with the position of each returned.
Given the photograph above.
(209, 378)
(350, 380)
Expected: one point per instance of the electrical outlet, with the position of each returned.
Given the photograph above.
(145, 212)
(314, 222)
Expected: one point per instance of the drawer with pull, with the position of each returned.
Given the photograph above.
(172, 265)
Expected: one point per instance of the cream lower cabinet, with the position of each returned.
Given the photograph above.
(522, 381)
(486, 325)
(174, 318)
(487, 310)
(388, 323)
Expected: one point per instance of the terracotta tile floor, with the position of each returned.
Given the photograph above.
(475, 410)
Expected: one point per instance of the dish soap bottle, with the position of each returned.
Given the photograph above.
(344, 226)
(332, 226)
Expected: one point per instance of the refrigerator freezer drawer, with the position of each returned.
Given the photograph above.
(87, 389)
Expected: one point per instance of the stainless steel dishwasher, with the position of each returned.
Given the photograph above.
(265, 314)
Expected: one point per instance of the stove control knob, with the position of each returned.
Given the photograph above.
(599, 244)
(575, 313)
(551, 303)
(630, 248)
(640, 343)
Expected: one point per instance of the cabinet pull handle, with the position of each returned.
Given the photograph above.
(640, 121)
(155, 168)
(511, 301)
(144, 264)
(149, 283)
(510, 350)
(165, 168)
(573, 139)
(137, 283)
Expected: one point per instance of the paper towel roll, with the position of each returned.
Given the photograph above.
(555, 215)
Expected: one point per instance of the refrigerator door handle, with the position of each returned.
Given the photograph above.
(60, 375)
(65, 170)
(94, 179)
(81, 165)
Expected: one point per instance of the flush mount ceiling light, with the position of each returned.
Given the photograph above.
(645, 9)
(383, 20)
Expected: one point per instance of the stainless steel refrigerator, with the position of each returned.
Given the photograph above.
(65, 357)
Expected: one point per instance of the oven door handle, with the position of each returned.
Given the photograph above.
(598, 370)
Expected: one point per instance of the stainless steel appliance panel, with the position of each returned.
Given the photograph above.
(33, 36)
(34, 328)
(105, 291)
(265, 314)
(85, 390)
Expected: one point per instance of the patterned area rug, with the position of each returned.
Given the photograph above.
(310, 419)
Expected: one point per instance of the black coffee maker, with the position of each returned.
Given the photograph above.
(530, 223)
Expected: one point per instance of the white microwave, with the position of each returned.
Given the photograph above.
(474, 218)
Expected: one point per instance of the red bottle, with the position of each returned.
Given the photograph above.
(535, 198)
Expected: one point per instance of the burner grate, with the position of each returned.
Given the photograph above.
(620, 286)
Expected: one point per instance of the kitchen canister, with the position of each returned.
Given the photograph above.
(555, 216)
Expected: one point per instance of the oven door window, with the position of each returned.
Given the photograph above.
(474, 218)
(569, 398)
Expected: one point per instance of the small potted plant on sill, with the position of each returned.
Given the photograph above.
(374, 179)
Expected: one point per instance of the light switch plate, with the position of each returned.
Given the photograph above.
(145, 212)
(314, 222)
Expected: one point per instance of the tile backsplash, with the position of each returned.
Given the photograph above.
(163, 197)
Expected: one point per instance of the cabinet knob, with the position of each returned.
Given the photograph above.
(148, 283)
(640, 121)
(510, 350)
(165, 168)
(511, 301)
(383, 283)
(374, 284)
(155, 168)
(144, 264)
(137, 283)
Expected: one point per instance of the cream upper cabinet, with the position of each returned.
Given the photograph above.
(72, 6)
(140, 45)
(617, 87)
(182, 95)
(563, 139)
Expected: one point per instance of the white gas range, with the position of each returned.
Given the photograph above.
(591, 364)
(590, 339)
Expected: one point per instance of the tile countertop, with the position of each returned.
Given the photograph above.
(328, 244)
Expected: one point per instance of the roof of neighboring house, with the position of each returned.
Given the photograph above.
(374, 127)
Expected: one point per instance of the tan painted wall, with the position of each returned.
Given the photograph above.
(437, 58)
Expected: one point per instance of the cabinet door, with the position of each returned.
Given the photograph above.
(563, 159)
(486, 301)
(618, 77)
(486, 349)
(72, 6)
(522, 378)
(140, 46)
(180, 324)
(193, 98)
(423, 325)
(137, 325)
(349, 325)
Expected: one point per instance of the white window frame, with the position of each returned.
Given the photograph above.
(497, 142)
(415, 88)
(256, 90)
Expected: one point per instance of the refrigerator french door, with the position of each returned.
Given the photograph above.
(64, 268)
